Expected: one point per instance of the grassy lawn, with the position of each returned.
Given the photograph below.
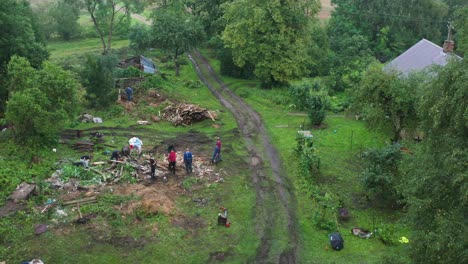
(339, 145)
(64, 50)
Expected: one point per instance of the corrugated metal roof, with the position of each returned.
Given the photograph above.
(148, 65)
(420, 56)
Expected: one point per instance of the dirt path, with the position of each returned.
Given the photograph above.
(275, 204)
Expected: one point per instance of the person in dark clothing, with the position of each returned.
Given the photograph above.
(188, 161)
(84, 160)
(215, 159)
(153, 168)
(115, 155)
(172, 161)
(170, 148)
(218, 144)
(129, 92)
(126, 151)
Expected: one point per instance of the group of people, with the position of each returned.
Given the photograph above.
(171, 157)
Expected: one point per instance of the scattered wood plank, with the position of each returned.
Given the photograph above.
(185, 114)
(91, 199)
(211, 116)
(296, 114)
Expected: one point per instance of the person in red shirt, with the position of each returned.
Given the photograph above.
(218, 144)
(172, 161)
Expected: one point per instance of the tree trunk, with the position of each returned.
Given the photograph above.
(91, 10)
(111, 28)
(176, 62)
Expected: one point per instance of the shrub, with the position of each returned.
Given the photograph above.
(317, 103)
(128, 72)
(308, 160)
(151, 82)
(244, 93)
(381, 175)
(193, 84)
(99, 80)
(311, 97)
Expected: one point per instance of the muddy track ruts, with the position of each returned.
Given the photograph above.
(275, 201)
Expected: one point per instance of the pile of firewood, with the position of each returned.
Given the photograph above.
(186, 114)
(84, 146)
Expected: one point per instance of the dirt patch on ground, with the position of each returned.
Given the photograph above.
(325, 10)
(153, 199)
(219, 256)
(11, 207)
(191, 224)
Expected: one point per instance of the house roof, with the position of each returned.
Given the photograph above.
(420, 56)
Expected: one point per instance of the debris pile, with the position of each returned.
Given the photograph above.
(84, 146)
(22, 192)
(87, 118)
(186, 114)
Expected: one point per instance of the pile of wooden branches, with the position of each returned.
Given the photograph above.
(84, 146)
(186, 114)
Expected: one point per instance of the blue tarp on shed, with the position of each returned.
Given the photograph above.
(148, 65)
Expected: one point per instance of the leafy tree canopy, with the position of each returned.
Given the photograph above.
(210, 13)
(436, 179)
(272, 35)
(389, 26)
(18, 35)
(109, 16)
(387, 101)
(41, 101)
(176, 32)
(99, 81)
(461, 28)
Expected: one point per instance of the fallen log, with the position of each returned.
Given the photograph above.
(92, 199)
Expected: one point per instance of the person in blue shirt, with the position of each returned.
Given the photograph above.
(129, 92)
(188, 161)
(215, 159)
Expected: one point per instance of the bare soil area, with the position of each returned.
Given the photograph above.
(325, 10)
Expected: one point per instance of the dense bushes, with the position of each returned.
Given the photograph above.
(41, 102)
(99, 80)
(311, 97)
(381, 176)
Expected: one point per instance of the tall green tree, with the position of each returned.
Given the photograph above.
(311, 97)
(272, 35)
(176, 32)
(66, 14)
(99, 81)
(350, 60)
(41, 101)
(109, 16)
(18, 36)
(387, 101)
(404, 23)
(460, 24)
(210, 13)
(435, 184)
